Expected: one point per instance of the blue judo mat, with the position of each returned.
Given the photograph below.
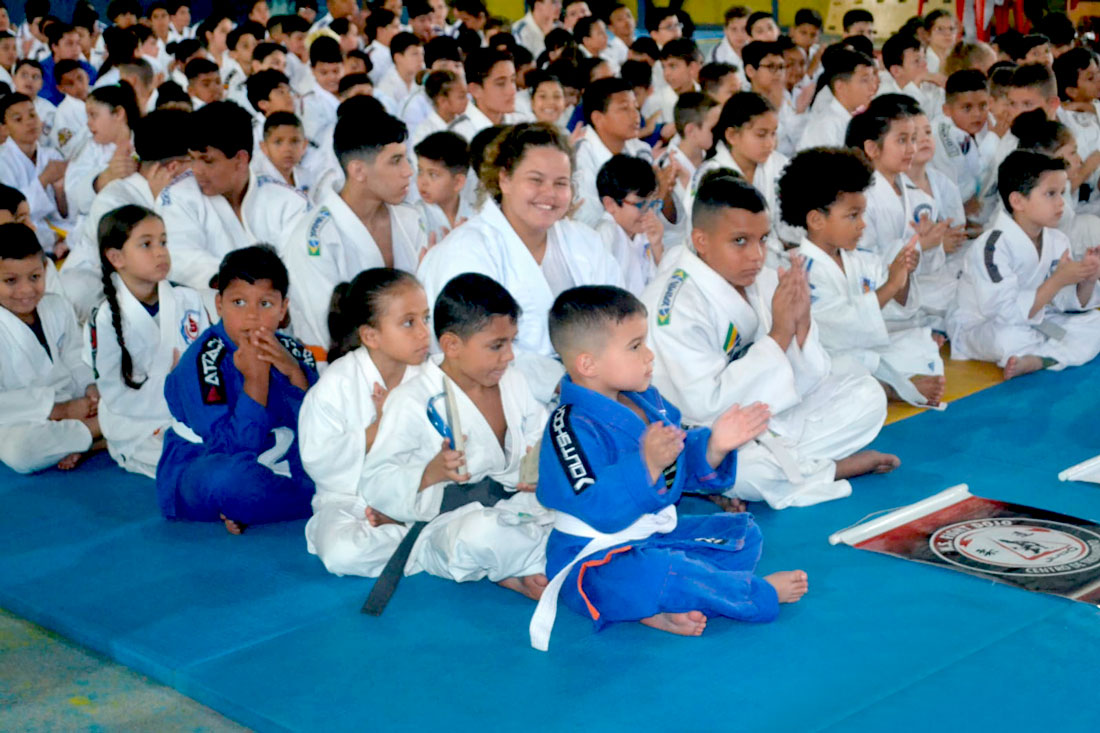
(253, 627)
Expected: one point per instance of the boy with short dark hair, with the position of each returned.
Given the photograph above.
(680, 64)
(629, 227)
(907, 71)
(450, 444)
(50, 399)
(232, 452)
(761, 26)
(719, 81)
(615, 462)
(442, 163)
(491, 80)
(362, 225)
(958, 150)
(695, 116)
(1021, 295)
(725, 328)
(64, 45)
(282, 151)
(1078, 75)
(852, 79)
(382, 27)
(204, 83)
(806, 32)
(220, 205)
(319, 100)
(36, 170)
(398, 83)
(447, 92)
(70, 122)
(855, 291)
(734, 36)
(859, 22)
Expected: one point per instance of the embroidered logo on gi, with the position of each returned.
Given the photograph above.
(189, 326)
(949, 145)
(64, 135)
(298, 351)
(211, 383)
(664, 310)
(866, 285)
(569, 452)
(315, 229)
(1017, 546)
(734, 346)
(713, 540)
(924, 209)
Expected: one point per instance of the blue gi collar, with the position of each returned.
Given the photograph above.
(613, 414)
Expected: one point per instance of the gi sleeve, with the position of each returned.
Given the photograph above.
(701, 476)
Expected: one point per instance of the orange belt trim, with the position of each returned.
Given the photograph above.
(595, 564)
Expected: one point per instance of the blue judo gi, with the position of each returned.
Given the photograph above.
(247, 465)
(591, 467)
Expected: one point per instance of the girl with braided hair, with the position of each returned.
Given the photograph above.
(136, 335)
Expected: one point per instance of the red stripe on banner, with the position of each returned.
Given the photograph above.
(902, 540)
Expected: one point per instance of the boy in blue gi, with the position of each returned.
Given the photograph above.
(614, 462)
(232, 452)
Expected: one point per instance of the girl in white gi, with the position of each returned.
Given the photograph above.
(629, 226)
(852, 290)
(935, 196)
(363, 225)
(109, 154)
(382, 336)
(727, 330)
(137, 334)
(886, 133)
(49, 400)
(34, 169)
(521, 239)
(745, 139)
(418, 467)
(1021, 295)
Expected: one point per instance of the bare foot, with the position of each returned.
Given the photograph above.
(531, 586)
(867, 461)
(790, 585)
(70, 461)
(232, 527)
(1020, 365)
(930, 386)
(691, 623)
(728, 504)
(376, 518)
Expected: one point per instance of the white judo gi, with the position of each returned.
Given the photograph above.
(487, 244)
(70, 129)
(938, 279)
(307, 174)
(472, 542)
(318, 111)
(32, 382)
(712, 351)
(958, 156)
(1002, 272)
(90, 161)
(852, 326)
(436, 222)
(591, 154)
(632, 253)
(826, 125)
(331, 245)
(1086, 132)
(82, 272)
(203, 229)
(332, 441)
(19, 171)
(134, 420)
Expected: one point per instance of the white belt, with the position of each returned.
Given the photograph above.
(542, 623)
(185, 432)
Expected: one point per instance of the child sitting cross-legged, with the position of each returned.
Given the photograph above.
(615, 462)
(232, 451)
(49, 401)
(481, 520)
(1021, 295)
(854, 289)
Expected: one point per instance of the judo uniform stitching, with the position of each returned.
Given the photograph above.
(570, 454)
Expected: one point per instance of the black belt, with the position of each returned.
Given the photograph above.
(487, 491)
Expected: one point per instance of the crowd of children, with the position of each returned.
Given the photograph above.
(485, 299)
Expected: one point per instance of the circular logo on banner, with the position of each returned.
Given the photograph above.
(1017, 546)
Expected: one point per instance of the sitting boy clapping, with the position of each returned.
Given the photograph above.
(614, 463)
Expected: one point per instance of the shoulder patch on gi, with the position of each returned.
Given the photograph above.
(950, 147)
(211, 383)
(664, 309)
(64, 135)
(189, 326)
(299, 352)
(313, 245)
(990, 249)
(569, 451)
(734, 346)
